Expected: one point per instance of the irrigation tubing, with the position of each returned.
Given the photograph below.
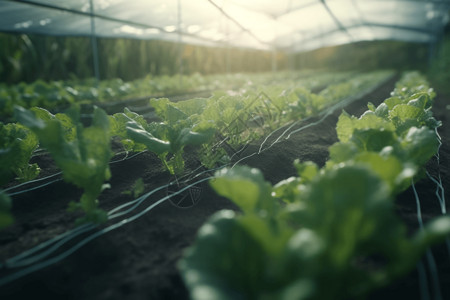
(31, 182)
(35, 188)
(423, 281)
(63, 255)
(59, 179)
(58, 241)
(63, 238)
(55, 243)
(22, 260)
(440, 191)
(431, 262)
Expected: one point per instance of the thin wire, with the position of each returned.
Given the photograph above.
(251, 33)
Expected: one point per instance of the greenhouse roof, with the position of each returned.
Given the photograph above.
(291, 25)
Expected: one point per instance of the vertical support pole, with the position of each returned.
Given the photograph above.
(228, 48)
(274, 60)
(180, 44)
(274, 50)
(436, 42)
(291, 55)
(94, 43)
(431, 51)
(431, 43)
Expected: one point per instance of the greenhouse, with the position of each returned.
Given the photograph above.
(224, 149)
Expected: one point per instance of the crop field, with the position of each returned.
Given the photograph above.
(224, 150)
(288, 185)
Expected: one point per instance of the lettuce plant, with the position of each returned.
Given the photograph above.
(81, 153)
(329, 233)
(17, 144)
(168, 142)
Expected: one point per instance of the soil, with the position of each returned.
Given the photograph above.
(138, 260)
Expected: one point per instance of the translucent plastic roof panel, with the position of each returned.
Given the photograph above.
(291, 25)
(18, 17)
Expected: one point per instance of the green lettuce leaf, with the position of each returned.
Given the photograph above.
(17, 144)
(348, 124)
(84, 160)
(244, 186)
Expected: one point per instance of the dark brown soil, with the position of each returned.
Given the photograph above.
(138, 260)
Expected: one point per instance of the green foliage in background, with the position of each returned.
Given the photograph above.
(366, 56)
(30, 57)
(439, 71)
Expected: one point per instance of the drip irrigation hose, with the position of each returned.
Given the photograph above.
(429, 255)
(66, 253)
(56, 174)
(440, 191)
(31, 181)
(423, 281)
(35, 188)
(22, 260)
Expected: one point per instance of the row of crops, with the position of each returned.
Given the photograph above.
(291, 238)
(323, 227)
(57, 95)
(232, 119)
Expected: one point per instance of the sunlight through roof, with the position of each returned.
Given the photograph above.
(290, 25)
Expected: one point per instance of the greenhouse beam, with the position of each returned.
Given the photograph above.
(336, 20)
(103, 17)
(237, 23)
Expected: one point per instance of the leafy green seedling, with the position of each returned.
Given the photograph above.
(84, 160)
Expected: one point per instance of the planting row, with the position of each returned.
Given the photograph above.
(331, 232)
(208, 125)
(59, 94)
